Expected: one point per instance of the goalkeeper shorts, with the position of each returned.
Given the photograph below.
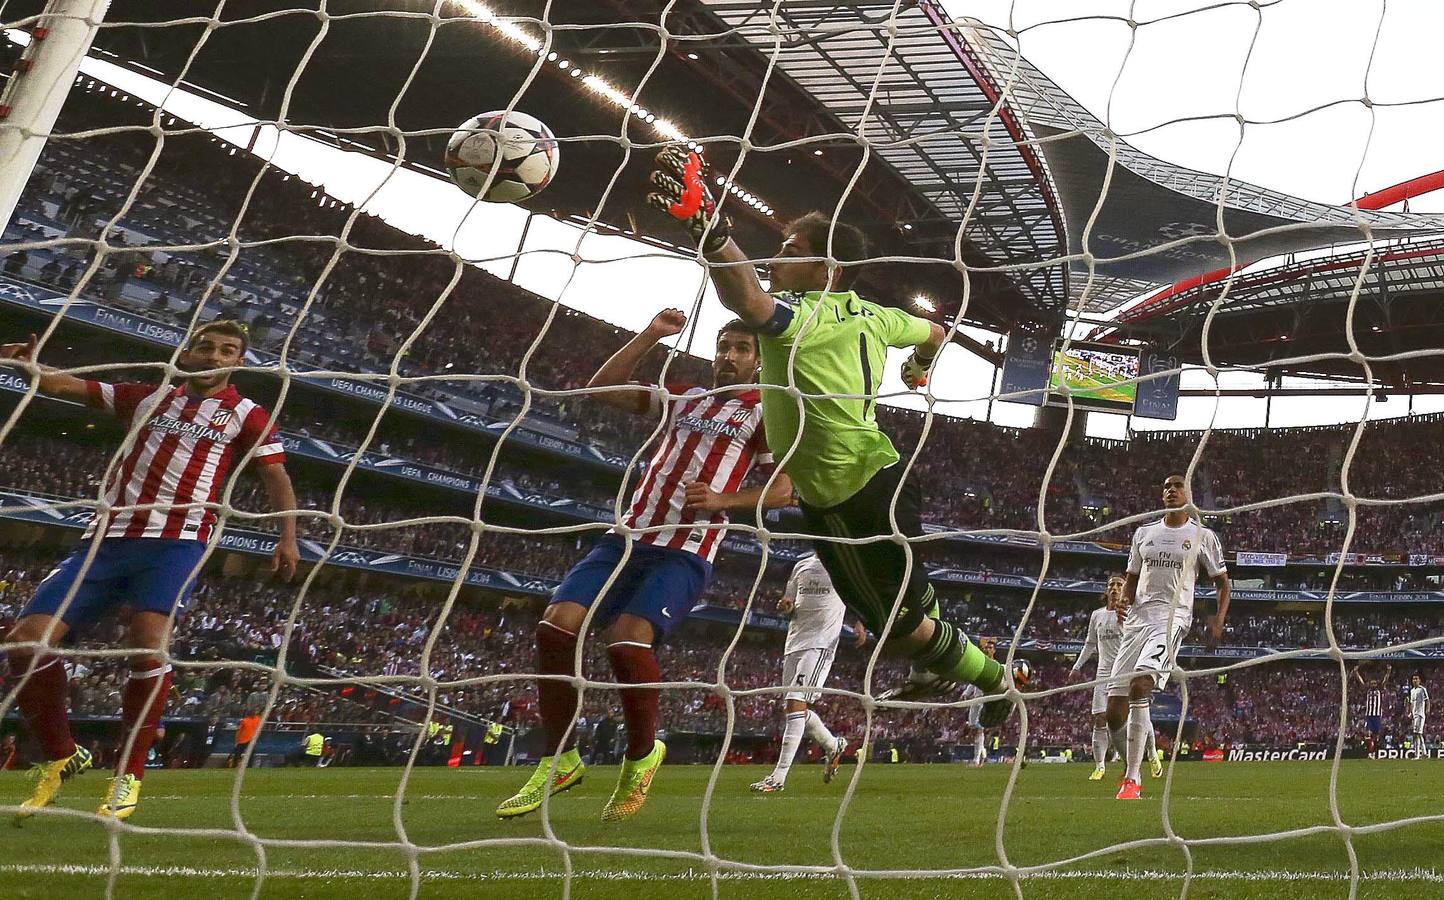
(869, 576)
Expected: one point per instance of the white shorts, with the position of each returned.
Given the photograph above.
(1145, 650)
(1418, 724)
(803, 669)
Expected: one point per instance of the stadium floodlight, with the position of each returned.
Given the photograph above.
(925, 303)
(665, 127)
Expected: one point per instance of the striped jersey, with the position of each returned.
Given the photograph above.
(709, 438)
(182, 450)
(1374, 703)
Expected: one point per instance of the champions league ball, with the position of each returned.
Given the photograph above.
(528, 156)
(1022, 673)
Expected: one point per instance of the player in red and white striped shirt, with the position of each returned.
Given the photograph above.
(710, 443)
(145, 545)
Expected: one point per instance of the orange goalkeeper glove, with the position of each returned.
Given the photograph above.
(915, 371)
(681, 192)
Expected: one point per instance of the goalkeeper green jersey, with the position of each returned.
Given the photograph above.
(841, 342)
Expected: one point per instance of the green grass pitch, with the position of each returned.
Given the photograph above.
(1096, 388)
(902, 817)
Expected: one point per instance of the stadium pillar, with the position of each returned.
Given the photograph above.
(30, 104)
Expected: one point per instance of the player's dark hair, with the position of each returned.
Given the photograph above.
(849, 244)
(738, 326)
(226, 328)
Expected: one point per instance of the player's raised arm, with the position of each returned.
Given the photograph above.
(52, 384)
(622, 365)
(682, 193)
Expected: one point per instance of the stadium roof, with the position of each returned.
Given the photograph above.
(1151, 202)
(934, 98)
(896, 78)
(1300, 307)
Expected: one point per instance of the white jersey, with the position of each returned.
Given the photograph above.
(975, 712)
(1104, 637)
(1166, 561)
(818, 611)
(1419, 701)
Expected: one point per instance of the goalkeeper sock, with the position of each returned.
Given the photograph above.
(951, 655)
(556, 655)
(141, 708)
(1100, 745)
(635, 663)
(818, 731)
(42, 701)
(1140, 722)
(791, 740)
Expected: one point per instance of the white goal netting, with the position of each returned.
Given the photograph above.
(425, 359)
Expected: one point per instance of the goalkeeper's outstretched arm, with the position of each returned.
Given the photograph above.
(681, 192)
(737, 285)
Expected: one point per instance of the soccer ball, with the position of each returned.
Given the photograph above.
(526, 146)
(1022, 673)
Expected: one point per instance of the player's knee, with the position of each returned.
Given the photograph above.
(913, 642)
(35, 630)
(1140, 688)
(795, 706)
(146, 663)
(633, 629)
(566, 615)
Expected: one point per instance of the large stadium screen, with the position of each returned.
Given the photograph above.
(1099, 376)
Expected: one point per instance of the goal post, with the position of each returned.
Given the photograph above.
(56, 42)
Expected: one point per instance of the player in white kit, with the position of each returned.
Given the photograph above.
(989, 646)
(1105, 634)
(1418, 712)
(1163, 565)
(817, 614)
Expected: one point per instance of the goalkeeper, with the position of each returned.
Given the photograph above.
(845, 470)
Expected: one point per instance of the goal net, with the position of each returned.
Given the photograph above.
(1155, 240)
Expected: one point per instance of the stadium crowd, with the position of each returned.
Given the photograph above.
(372, 306)
(237, 626)
(373, 300)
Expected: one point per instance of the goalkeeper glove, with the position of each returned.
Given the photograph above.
(681, 192)
(915, 371)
